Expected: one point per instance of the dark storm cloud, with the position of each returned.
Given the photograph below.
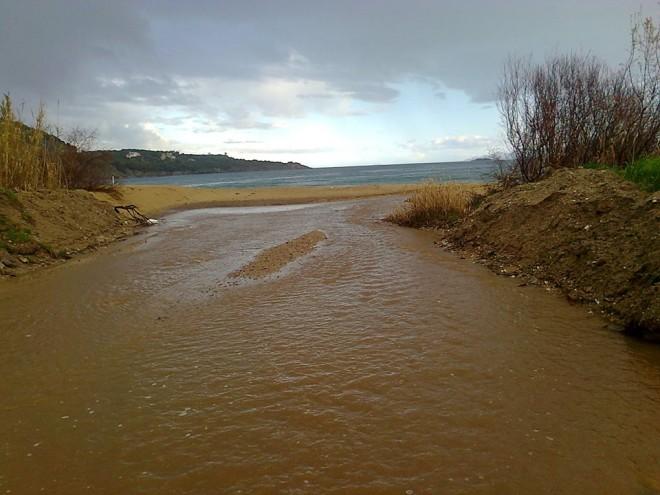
(91, 53)
(360, 47)
(56, 48)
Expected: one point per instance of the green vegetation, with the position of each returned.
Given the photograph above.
(645, 172)
(10, 195)
(12, 234)
(137, 162)
(11, 198)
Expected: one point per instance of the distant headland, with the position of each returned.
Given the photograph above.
(141, 163)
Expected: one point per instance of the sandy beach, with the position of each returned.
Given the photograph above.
(156, 200)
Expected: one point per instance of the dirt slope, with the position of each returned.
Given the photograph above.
(43, 227)
(588, 232)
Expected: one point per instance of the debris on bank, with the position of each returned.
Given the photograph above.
(135, 215)
(587, 232)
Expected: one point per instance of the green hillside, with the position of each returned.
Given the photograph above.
(136, 162)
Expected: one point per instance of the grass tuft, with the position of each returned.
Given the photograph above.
(12, 233)
(437, 205)
(9, 195)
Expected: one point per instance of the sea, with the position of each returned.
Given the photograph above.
(468, 171)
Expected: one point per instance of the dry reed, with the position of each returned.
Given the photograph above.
(437, 205)
(27, 160)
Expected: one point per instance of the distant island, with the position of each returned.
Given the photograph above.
(481, 159)
(143, 163)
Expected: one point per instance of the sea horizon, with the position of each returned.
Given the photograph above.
(464, 171)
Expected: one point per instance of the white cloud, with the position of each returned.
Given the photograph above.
(449, 148)
(474, 142)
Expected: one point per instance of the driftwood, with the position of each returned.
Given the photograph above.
(135, 214)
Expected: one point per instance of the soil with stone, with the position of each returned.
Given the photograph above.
(587, 232)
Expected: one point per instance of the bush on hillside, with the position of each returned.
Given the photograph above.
(82, 167)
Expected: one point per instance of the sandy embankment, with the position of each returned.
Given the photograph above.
(156, 200)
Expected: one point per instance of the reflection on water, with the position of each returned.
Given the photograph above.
(377, 364)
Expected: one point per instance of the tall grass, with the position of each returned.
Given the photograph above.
(437, 205)
(644, 172)
(27, 159)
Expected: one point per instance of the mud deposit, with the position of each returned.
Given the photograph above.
(273, 259)
(377, 363)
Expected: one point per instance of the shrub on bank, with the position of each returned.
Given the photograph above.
(575, 109)
(436, 205)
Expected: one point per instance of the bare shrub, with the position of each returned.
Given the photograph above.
(574, 109)
(506, 173)
(436, 205)
(82, 167)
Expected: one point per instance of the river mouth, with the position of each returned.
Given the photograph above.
(377, 363)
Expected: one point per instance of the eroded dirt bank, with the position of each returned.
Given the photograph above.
(587, 232)
(44, 227)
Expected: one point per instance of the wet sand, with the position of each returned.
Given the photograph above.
(273, 259)
(376, 363)
(155, 200)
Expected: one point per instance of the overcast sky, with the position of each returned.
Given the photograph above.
(327, 82)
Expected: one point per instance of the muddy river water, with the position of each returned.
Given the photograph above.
(376, 364)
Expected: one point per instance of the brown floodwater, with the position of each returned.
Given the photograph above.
(376, 364)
